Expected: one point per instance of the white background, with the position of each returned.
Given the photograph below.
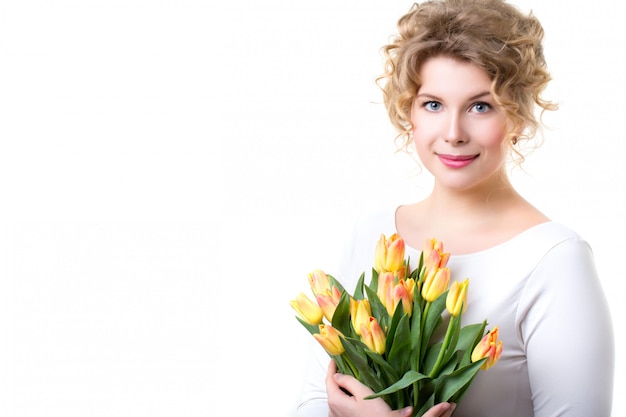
(170, 171)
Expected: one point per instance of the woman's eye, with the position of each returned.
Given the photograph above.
(432, 106)
(481, 107)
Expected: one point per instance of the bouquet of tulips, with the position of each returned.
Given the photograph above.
(383, 333)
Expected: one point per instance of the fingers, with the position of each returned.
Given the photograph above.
(450, 411)
(346, 393)
(347, 384)
(352, 385)
(441, 410)
(331, 385)
(332, 367)
(405, 412)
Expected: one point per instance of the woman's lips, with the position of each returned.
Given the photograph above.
(456, 161)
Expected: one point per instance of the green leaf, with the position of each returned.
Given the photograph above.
(433, 319)
(416, 331)
(343, 365)
(386, 369)
(335, 283)
(379, 311)
(458, 396)
(450, 366)
(400, 347)
(355, 352)
(358, 290)
(452, 347)
(425, 406)
(341, 317)
(420, 266)
(430, 357)
(468, 339)
(374, 281)
(391, 328)
(407, 379)
(312, 328)
(446, 386)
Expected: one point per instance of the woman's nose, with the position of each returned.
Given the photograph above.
(453, 131)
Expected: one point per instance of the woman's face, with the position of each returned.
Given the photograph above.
(458, 130)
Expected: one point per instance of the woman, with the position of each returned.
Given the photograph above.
(462, 84)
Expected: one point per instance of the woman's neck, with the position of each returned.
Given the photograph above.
(478, 202)
(467, 220)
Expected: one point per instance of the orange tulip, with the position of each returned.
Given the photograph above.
(307, 309)
(328, 302)
(456, 301)
(403, 292)
(434, 256)
(373, 336)
(330, 339)
(489, 347)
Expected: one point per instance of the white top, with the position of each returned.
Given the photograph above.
(542, 290)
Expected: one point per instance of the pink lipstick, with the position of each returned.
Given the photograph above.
(456, 161)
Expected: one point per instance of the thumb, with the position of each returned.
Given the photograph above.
(406, 411)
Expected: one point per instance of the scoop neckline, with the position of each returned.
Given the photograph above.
(500, 245)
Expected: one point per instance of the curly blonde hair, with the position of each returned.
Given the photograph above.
(492, 34)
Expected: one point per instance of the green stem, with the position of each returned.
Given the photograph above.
(444, 346)
(419, 345)
(345, 366)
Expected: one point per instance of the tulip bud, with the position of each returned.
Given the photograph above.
(385, 290)
(489, 347)
(307, 309)
(328, 302)
(329, 338)
(360, 314)
(403, 292)
(435, 284)
(457, 298)
(389, 255)
(373, 336)
(319, 281)
(434, 256)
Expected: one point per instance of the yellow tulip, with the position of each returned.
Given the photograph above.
(435, 283)
(319, 281)
(373, 336)
(456, 301)
(389, 255)
(330, 339)
(360, 312)
(328, 302)
(307, 309)
(489, 347)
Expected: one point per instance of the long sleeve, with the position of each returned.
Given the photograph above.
(566, 328)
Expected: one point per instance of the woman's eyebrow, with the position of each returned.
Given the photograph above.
(474, 97)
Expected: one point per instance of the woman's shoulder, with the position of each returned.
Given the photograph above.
(550, 233)
(541, 241)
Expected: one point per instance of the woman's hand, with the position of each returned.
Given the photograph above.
(341, 404)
